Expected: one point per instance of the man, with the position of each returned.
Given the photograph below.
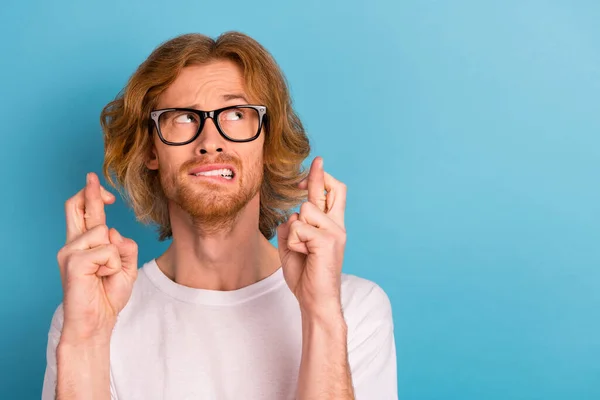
(222, 314)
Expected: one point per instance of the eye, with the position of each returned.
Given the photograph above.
(185, 118)
(234, 114)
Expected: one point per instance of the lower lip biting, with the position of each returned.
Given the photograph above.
(214, 177)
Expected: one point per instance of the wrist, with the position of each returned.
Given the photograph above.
(327, 320)
(322, 308)
(82, 347)
(77, 339)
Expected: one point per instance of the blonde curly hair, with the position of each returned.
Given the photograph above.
(128, 140)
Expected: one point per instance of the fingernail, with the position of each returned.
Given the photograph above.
(119, 237)
(318, 161)
(87, 178)
(106, 192)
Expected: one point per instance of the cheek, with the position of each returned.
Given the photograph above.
(255, 158)
(170, 161)
(252, 161)
(259, 149)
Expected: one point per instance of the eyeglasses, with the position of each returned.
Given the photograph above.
(179, 126)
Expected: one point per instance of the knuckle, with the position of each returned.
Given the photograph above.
(69, 203)
(102, 229)
(71, 260)
(113, 249)
(305, 207)
(61, 255)
(295, 225)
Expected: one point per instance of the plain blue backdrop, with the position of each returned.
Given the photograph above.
(466, 131)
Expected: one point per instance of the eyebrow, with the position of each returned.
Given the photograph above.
(234, 96)
(225, 97)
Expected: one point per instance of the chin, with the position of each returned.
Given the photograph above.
(212, 201)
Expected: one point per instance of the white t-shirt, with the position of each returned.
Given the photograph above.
(176, 343)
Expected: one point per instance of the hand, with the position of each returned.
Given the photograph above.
(311, 244)
(97, 266)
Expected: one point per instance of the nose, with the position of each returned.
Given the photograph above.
(210, 140)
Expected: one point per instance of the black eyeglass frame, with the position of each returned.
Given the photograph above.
(214, 115)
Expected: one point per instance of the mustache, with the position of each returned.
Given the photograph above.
(222, 158)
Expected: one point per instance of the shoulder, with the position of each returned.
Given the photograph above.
(361, 295)
(371, 343)
(362, 298)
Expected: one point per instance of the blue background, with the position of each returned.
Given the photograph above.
(466, 131)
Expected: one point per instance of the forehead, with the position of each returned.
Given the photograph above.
(204, 85)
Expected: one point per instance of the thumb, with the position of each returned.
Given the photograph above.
(128, 250)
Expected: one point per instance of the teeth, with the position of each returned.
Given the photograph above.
(225, 173)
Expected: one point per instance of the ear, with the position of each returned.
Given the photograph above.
(152, 160)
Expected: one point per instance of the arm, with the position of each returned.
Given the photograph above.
(324, 369)
(98, 268)
(311, 249)
(354, 355)
(337, 362)
(73, 370)
(83, 368)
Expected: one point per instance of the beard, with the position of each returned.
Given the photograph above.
(213, 206)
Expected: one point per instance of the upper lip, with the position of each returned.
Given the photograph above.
(211, 167)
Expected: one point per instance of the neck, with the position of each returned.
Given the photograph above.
(230, 257)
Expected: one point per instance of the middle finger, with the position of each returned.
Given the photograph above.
(94, 206)
(316, 184)
(75, 209)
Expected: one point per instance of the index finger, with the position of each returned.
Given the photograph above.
(316, 184)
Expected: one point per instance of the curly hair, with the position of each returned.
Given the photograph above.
(128, 142)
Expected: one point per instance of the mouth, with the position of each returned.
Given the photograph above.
(214, 172)
(224, 173)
